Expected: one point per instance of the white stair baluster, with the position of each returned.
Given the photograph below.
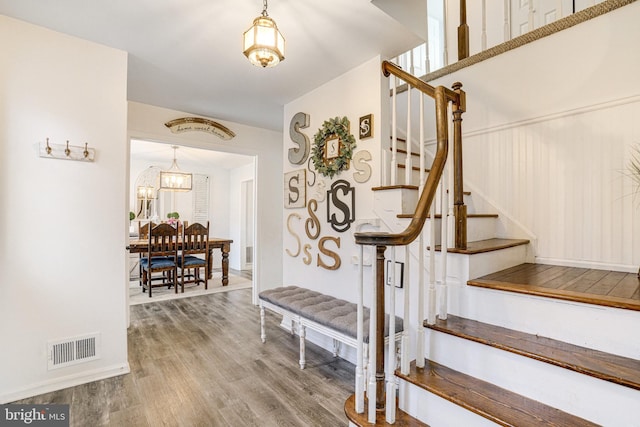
(360, 380)
(390, 406)
(371, 394)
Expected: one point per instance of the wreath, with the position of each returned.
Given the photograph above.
(331, 128)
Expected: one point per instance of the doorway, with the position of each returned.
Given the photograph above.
(222, 193)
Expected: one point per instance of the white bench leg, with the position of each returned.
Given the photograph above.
(263, 334)
(302, 332)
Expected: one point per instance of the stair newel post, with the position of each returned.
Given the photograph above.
(460, 209)
(360, 380)
(379, 321)
(390, 413)
(408, 171)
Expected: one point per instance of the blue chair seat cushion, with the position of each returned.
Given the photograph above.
(191, 261)
(157, 262)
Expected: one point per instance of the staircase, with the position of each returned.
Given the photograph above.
(515, 343)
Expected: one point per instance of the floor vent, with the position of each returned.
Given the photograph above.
(72, 351)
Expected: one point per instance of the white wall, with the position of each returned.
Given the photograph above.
(236, 177)
(547, 135)
(63, 223)
(354, 94)
(147, 122)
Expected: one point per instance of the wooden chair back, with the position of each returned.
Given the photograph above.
(143, 229)
(163, 241)
(195, 239)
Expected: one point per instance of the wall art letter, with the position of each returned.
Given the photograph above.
(363, 169)
(295, 184)
(307, 255)
(341, 209)
(298, 155)
(327, 252)
(294, 234)
(312, 225)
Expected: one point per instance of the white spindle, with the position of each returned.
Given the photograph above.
(427, 63)
(408, 171)
(371, 413)
(483, 36)
(419, 330)
(411, 68)
(394, 133)
(530, 18)
(390, 405)
(445, 53)
(444, 224)
(360, 380)
(404, 361)
(431, 314)
(507, 20)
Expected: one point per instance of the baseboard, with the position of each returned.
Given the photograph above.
(587, 264)
(65, 382)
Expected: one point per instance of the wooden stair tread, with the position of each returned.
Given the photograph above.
(395, 187)
(415, 168)
(487, 400)
(402, 418)
(589, 286)
(488, 245)
(605, 366)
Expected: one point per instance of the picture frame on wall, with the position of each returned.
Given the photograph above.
(365, 127)
(295, 186)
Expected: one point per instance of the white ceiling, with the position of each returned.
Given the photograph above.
(187, 54)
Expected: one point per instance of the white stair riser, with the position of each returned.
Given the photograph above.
(596, 400)
(601, 328)
(436, 411)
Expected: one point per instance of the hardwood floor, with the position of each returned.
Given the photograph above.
(200, 362)
(601, 287)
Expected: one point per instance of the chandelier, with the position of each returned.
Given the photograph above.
(263, 43)
(174, 179)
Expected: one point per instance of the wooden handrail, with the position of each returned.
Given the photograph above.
(442, 96)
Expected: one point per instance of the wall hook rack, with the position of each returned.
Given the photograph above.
(67, 152)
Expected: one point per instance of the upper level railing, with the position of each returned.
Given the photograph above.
(381, 240)
(457, 29)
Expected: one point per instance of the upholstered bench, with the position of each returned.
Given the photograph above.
(325, 314)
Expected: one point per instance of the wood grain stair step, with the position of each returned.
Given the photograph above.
(487, 245)
(499, 405)
(402, 418)
(608, 367)
(438, 216)
(589, 286)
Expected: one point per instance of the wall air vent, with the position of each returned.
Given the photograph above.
(72, 351)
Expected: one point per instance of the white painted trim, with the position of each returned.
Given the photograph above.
(60, 383)
(587, 264)
(546, 117)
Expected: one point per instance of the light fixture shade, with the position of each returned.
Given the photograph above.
(263, 43)
(146, 192)
(174, 179)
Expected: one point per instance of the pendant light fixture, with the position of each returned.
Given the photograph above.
(174, 179)
(263, 43)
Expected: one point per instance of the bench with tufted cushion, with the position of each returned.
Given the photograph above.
(328, 315)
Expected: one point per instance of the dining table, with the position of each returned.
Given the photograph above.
(137, 246)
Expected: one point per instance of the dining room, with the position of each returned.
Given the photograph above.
(218, 192)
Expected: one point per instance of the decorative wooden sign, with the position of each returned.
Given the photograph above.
(366, 127)
(298, 155)
(295, 184)
(198, 124)
(341, 209)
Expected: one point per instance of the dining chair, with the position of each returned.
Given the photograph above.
(161, 256)
(195, 241)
